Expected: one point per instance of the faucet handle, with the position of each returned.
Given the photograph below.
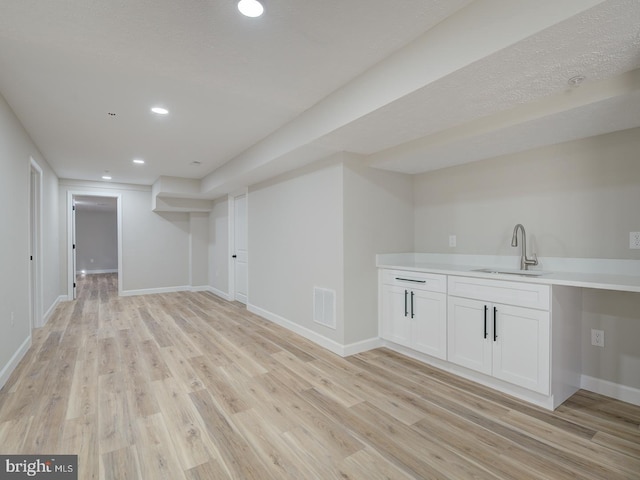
(531, 261)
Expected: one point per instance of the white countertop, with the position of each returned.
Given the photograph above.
(604, 281)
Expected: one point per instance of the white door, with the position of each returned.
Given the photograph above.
(429, 329)
(34, 257)
(73, 244)
(521, 347)
(396, 318)
(470, 328)
(240, 255)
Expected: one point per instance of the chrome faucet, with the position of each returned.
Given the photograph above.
(524, 260)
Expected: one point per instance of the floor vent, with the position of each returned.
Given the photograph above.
(324, 307)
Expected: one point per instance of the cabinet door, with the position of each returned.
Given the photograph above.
(396, 318)
(521, 348)
(467, 329)
(429, 326)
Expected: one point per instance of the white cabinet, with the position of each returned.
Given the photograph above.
(396, 324)
(520, 336)
(429, 328)
(414, 311)
(490, 331)
(521, 347)
(469, 344)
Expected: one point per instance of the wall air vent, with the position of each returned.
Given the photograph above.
(324, 307)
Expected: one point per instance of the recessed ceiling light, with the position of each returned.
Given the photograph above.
(250, 8)
(106, 177)
(160, 110)
(139, 161)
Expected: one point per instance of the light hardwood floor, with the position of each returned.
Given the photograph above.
(188, 386)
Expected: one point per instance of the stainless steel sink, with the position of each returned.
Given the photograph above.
(524, 273)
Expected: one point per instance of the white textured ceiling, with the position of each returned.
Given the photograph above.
(413, 85)
(598, 44)
(228, 80)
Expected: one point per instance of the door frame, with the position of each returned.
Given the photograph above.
(36, 314)
(232, 238)
(71, 274)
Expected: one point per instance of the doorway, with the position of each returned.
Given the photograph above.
(35, 245)
(94, 231)
(239, 271)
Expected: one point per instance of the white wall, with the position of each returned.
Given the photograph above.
(16, 149)
(295, 226)
(378, 218)
(219, 246)
(199, 249)
(577, 199)
(618, 314)
(321, 226)
(53, 290)
(96, 240)
(155, 247)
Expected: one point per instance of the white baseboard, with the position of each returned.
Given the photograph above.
(315, 337)
(47, 315)
(324, 342)
(8, 369)
(199, 288)
(610, 389)
(151, 291)
(362, 346)
(181, 288)
(219, 293)
(95, 272)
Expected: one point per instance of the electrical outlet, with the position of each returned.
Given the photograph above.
(634, 240)
(597, 337)
(452, 240)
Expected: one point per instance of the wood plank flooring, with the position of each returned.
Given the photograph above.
(186, 386)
